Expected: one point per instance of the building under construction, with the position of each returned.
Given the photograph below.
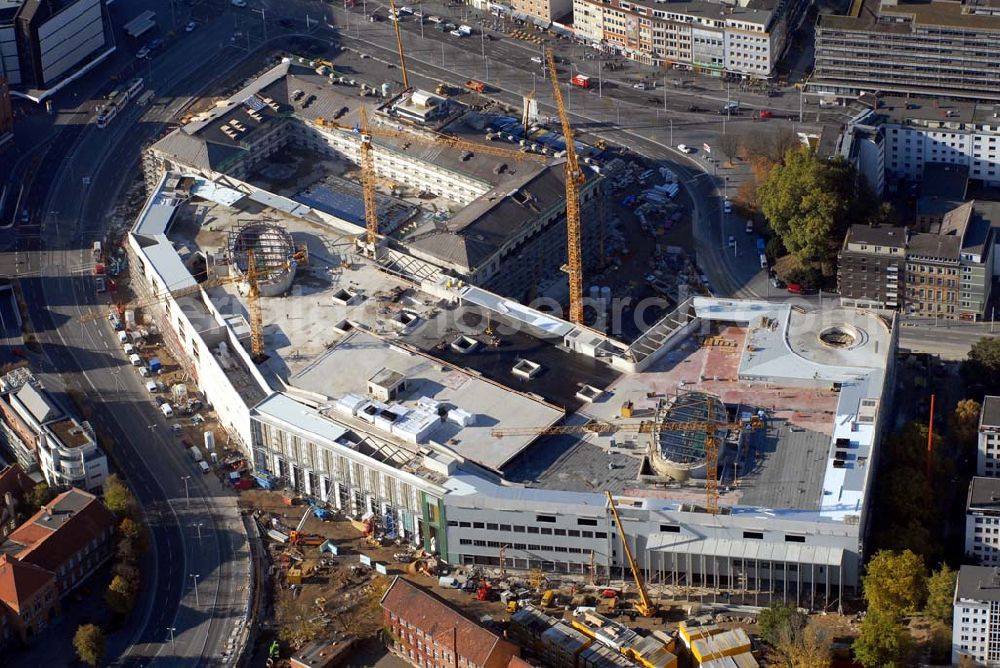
(480, 212)
(738, 439)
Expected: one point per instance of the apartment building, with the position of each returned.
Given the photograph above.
(29, 600)
(429, 633)
(949, 274)
(982, 522)
(988, 450)
(941, 48)
(976, 617)
(871, 268)
(542, 12)
(709, 37)
(42, 436)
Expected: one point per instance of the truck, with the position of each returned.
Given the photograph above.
(465, 30)
(580, 81)
(477, 86)
(195, 453)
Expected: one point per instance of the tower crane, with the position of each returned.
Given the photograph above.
(367, 161)
(643, 606)
(574, 179)
(649, 427)
(394, 15)
(256, 319)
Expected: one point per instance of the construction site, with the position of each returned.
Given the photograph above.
(352, 290)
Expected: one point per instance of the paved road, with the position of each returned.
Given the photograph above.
(203, 536)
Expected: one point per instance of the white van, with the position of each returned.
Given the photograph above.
(123, 337)
(203, 465)
(167, 410)
(763, 261)
(151, 386)
(135, 360)
(128, 348)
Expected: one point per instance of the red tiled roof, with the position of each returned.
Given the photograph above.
(437, 619)
(518, 662)
(62, 528)
(19, 581)
(13, 479)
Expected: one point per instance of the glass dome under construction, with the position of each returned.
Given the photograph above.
(687, 446)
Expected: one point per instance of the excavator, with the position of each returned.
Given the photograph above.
(296, 537)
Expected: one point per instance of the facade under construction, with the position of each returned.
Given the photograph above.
(460, 420)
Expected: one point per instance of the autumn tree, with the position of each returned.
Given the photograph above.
(120, 595)
(806, 645)
(940, 594)
(883, 641)
(807, 202)
(39, 495)
(729, 144)
(964, 423)
(981, 370)
(117, 496)
(89, 644)
(131, 530)
(895, 583)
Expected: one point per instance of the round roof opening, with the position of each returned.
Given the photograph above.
(840, 336)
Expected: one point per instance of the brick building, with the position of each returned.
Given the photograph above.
(429, 633)
(29, 599)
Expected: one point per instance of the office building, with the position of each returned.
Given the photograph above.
(988, 455)
(42, 42)
(429, 633)
(871, 267)
(43, 436)
(976, 616)
(939, 48)
(744, 39)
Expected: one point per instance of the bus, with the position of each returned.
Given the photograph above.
(116, 101)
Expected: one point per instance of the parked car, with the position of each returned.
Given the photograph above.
(191, 25)
(727, 206)
(536, 59)
(777, 283)
(684, 148)
(142, 53)
(749, 226)
(732, 241)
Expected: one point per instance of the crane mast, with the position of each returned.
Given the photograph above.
(368, 182)
(644, 607)
(256, 319)
(574, 178)
(399, 42)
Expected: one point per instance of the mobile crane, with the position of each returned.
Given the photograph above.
(394, 15)
(643, 606)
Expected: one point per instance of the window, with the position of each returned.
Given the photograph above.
(545, 518)
(793, 538)
(587, 534)
(584, 522)
(546, 531)
(573, 533)
(465, 525)
(518, 529)
(532, 529)
(491, 527)
(600, 534)
(478, 525)
(670, 528)
(560, 532)
(755, 535)
(504, 527)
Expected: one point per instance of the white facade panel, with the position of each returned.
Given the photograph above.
(70, 37)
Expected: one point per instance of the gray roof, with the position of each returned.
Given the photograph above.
(882, 235)
(989, 416)
(984, 494)
(945, 180)
(978, 583)
(935, 246)
(39, 405)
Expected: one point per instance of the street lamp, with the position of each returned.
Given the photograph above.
(198, 527)
(187, 492)
(195, 577)
(263, 21)
(171, 629)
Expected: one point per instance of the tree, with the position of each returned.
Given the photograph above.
(120, 595)
(883, 641)
(807, 202)
(981, 371)
(940, 594)
(895, 583)
(126, 551)
(117, 496)
(729, 144)
(126, 569)
(89, 644)
(964, 423)
(131, 530)
(803, 646)
(776, 617)
(39, 495)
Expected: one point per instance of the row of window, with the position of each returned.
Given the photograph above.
(524, 546)
(543, 531)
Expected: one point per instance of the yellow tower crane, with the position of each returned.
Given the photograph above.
(643, 606)
(648, 427)
(574, 179)
(394, 15)
(368, 182)
(256, 319)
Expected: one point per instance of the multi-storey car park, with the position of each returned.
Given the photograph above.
(401, 392)
(938, 48)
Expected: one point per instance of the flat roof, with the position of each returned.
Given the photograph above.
(989, 415)
(978, 583)
(933, 13)
(70, 433)
(877, 235)
(984, 494)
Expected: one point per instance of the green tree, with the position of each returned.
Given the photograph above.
(89, 644)
(940, 594)
(776, 617)
(895, 583)
(120, 595)
(806, 645)
(117, 496)
(981, 370)
(964, 423)
(39, 495)
(807, 202)
(883, 641)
